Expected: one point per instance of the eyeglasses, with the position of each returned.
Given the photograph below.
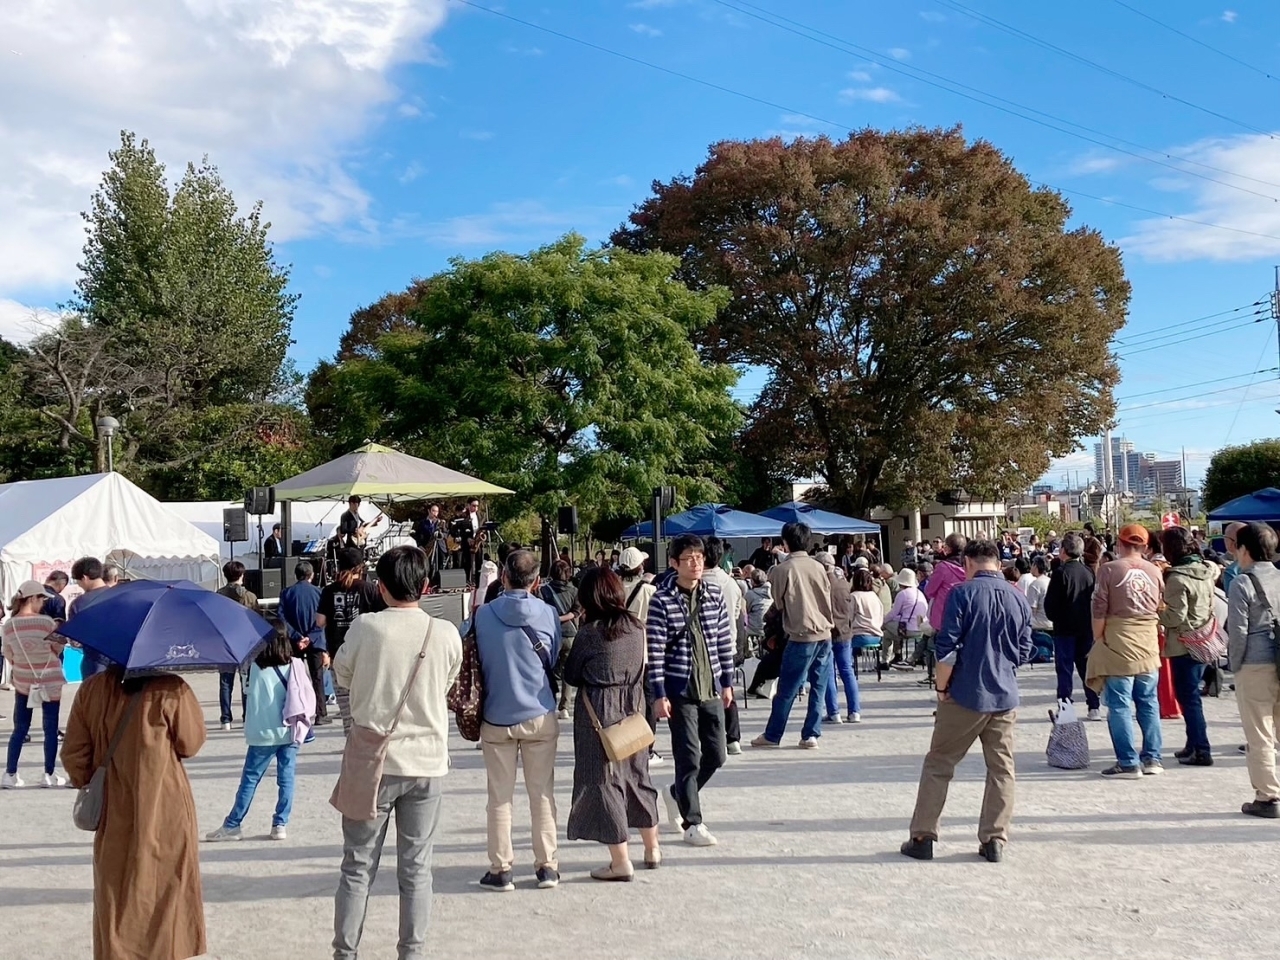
(692, 559)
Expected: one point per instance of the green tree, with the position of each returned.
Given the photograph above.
(1240, 470)
(927, 320)
(565, 375)
(178, 329)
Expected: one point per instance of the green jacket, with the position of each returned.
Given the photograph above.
(1188, 603)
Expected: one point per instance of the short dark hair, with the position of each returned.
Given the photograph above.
(275, 527)
(521, 569)
(402, 571)
(1073, 545)
(687, 541)
(561, 570)
(233, 570)
(1259, 539)
(956, 544)
(350, 558)
(862, 579)
(713, 550)
(57, 576)
(1021, 565)
(1176, 543)
(795, 535)
(982, 550)
(278, 651)
(1040, 564)
(303, 570)
(87, 568)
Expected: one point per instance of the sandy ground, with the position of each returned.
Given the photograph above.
(807, 864)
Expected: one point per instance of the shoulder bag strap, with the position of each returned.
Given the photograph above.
(635, 593)
(27, 657)
(120, 728)
(1262, 594)
(591, 712)
(283, 678)
(413, 675)
(539, 647)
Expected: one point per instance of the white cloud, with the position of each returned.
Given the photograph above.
(1229, 16)
(900, 53)
(520, 222)
(859, 76)
(272, 92)
(476, 134)
(930, 16)
(621, 180)
(1096, 164)
(412, 172)
(869, 94)
(20, 323)
(645, 30)
(1254, 221)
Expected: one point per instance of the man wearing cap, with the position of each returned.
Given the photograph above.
(1124, 664)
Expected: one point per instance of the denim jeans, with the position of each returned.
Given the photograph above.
(842, 664)
(698, 750)
(416, 802)
(226, 687)
(22, 726)
(328, 683)
(1188, 673)
(256, 762)
(1122, 695)
(801, 662)
(1070, 656)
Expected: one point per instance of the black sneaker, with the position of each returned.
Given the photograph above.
(1268, 809)
(1117, 772)
(498, 882)
(547, 878)
(992, 851)
(1184, 753)
(917, 849)
(1201, 758)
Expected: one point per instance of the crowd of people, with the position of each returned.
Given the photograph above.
(614, 641)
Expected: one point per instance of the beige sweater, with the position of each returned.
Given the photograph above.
(374, 663)
(803, 593)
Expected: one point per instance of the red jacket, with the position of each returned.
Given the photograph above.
(938, 587)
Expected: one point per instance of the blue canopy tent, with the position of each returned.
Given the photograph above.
(819, 520)
(707, 519)
(1262, 505)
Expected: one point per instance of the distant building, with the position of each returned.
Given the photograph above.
(1165, 476)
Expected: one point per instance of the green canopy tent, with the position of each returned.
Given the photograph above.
(379, 473)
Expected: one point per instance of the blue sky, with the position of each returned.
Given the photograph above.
(386, 136)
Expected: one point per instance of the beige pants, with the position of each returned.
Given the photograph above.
(954, 731)
(1258, 697)
(534, 743)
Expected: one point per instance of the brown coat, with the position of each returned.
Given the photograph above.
(147, 902)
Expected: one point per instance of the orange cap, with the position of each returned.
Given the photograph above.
(1135, 534)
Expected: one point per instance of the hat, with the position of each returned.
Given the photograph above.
(31, 588)
(1134, 534)
(906, 577)
(349, 558)
(632, 558)
(862, 562)
(825, 559)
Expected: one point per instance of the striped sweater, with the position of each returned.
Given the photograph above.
(670, 646)
(27, 645)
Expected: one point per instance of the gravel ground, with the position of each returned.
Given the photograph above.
(807, 864)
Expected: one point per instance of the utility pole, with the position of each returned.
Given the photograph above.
(1275, 308)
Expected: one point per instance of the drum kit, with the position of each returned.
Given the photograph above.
(324, 553)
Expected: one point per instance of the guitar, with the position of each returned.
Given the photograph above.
(361, 536)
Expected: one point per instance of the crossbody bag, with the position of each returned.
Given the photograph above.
(87, 811)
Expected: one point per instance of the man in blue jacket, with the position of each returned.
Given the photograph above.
(299, 605)
(985, 637)
(691, 647)
(518, 639)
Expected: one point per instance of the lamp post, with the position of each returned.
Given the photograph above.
(107, 427)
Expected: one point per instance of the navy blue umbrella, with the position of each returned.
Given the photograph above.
(166, 626)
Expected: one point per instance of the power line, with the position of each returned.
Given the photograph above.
(1214, 326)
(1196, 40)
(1192, 413)
(1191, 396)
(1062, 51)
(1199, 336)
(987, 99)
(1266, 343)
(834, 123)
(1186, 323)
(1187, 386)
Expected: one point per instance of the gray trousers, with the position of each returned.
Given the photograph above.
(416, 802)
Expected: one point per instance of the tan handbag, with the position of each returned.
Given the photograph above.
(623, 739)
(355, 795)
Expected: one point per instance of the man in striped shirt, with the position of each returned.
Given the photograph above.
(691, 648)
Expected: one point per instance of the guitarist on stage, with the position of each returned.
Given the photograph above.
(352, 532)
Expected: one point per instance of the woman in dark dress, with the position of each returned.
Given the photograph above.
(607, 666)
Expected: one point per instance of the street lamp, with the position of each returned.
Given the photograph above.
(107, 427)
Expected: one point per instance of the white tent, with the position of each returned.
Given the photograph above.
(49, 524)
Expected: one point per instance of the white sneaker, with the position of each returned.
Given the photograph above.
(734, 748)
(1095, 714)
(809, 743)
(53, 780)
(11, 781)
(699, 836)
(834, 718)
(656, 759)
(563, 714)
(853, 718)
(226, 726)
(222, 833)
(673, 810)
(279, 833)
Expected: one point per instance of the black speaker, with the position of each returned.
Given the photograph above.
(260, 501)
(235, 525)
(667, 497)
(453, 579)
(264, 584)
(567, 520)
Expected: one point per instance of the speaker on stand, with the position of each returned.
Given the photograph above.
(567, 523)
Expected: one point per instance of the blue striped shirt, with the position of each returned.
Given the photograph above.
(671, 647)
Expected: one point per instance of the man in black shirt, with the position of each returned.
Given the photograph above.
(429, 534)
(351, 529)
(273, 549)
(764, 558)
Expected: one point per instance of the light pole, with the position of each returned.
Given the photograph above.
(107, 427)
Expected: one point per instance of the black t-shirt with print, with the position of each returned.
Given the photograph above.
(340, 607)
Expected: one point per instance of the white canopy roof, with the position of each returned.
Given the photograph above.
(48, 524)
